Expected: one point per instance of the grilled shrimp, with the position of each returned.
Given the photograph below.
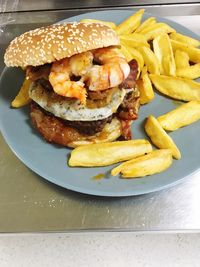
(113, 70)
(62, 85)
(81, 63)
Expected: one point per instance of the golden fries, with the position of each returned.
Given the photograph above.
(22, 97)
(177, 88)
(184, 39)
(190, 72)
(181, 59)
(163, 57)
(131, 23)
(148, 22)
(145, 87)
(159, 137)
(135, 54)
(181, 116)
(155, 30)
(126, 53)
(108, 153)
(163, 51)
(134, 40)
(154, 162)
(193, 53)
(150, 60)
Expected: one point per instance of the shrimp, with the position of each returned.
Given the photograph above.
(81, 63)
(62, 85)
(112, 72)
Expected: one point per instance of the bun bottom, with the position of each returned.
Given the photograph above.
(54, 130)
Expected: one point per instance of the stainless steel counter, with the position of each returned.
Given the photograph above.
(26, 5)
(28, 203)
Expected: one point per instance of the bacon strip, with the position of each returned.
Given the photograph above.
(128, 110)
(126, 129)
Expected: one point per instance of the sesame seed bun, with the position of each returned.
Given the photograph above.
(48, 44)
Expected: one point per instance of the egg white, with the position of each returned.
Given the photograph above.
(73, 110)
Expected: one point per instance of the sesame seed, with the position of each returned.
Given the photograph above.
(41, 45)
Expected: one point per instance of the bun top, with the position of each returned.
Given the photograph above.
(48, 44)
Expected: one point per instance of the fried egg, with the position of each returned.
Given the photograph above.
(73, 110)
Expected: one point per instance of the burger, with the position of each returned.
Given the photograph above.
(82, 89)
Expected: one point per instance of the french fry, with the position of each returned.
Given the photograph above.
(181, 59)
(108, 153)
(190, 72)
(155, 30)
(22, 97)
(135, 54)
(181, 116)
(184, 39)
(148, 22)
(110, 24)
(177, 88)
(150, 60)
(131, 23)
(145, 87)
(144, 71)
(134, 40)
(159, 137)
(126, 53)
(163, 51)
(193, 52)
(152, 163)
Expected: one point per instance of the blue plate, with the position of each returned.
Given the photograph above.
(50, 161)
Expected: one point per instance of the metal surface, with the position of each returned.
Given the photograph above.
(25, 5)
(28, 203)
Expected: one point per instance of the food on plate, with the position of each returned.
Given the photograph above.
(184, 39)
(190, 72)
(135, 54)
(183, 115)
(182, 59)
(150, 60)
(126, 52)
(177, 88)
(131, 23)
(22, 98)
(86, 81)
(159, 137)
(110, 24)
(82, 87)
(145, 87)
(193, 52)
(134, 40)
(95, 155)
(163, 51)
(152, 163)
(152, 31)
(145, 24)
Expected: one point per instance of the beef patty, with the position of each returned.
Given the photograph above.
(55, 130)
(89, 127)
(83, 127)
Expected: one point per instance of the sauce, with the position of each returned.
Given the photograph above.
(98, 176)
